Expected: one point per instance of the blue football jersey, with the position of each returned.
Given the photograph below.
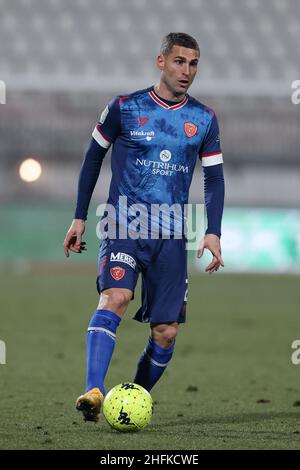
(155, 147)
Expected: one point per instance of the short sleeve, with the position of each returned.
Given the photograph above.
(210, 152)
(109, 125)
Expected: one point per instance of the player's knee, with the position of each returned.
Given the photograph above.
(116, 300)
(164, 335)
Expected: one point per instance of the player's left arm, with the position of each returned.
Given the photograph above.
(214, 192)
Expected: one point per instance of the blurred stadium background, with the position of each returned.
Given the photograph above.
(62, 61)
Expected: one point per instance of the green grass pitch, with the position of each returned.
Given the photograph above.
(231, 383)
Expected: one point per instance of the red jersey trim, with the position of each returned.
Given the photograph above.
(103, 135)
(165, 105)
(210, 154)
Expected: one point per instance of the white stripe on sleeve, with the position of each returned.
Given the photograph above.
(213, 159)
(100, 139)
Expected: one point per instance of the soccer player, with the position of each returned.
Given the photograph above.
(156, 134)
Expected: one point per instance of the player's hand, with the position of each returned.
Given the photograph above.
(212, 243)
(73, 240)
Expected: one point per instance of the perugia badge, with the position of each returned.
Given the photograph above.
(117, 273)
(190, 129)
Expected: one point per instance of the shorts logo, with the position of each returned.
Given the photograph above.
(190, 129)
(123, 258)
(117, 273)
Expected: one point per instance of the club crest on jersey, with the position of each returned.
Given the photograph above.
(117, 273)
(142, 121)
(190, 129)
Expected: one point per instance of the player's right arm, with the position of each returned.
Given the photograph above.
(104, 134)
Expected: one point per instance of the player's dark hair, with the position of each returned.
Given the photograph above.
(178, 39)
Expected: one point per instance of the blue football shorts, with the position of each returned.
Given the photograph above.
(162, 264)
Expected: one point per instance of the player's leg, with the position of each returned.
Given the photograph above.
(164, 289)
(101, 336)
(116, 283)
(157, 354)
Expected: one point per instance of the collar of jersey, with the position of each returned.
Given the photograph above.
(163, 103)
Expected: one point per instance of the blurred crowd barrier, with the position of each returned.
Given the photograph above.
(253, 240)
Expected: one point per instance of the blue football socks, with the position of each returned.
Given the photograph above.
(152, 364)
(101, 336)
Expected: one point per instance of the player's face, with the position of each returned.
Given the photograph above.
(178, 69)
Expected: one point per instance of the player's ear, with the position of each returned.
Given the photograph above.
(160, 61)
